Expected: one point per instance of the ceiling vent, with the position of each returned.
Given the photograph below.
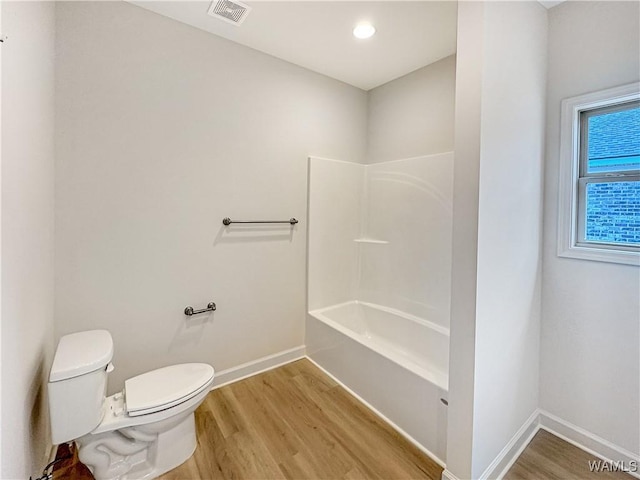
(230, 11)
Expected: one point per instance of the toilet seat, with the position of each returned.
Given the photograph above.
(165, 387)
(116, 415)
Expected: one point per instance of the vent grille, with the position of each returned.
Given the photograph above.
(230, 11)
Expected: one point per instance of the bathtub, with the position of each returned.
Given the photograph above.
(397, 363)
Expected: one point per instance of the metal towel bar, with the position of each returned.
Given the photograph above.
(211, 307)
(228, 221)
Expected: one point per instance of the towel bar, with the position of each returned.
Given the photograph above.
(228, 221)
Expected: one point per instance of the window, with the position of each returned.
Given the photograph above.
(599, 217)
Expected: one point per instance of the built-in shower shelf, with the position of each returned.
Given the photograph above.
(370, 240)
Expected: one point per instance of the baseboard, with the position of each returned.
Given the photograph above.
(447, 475)
(512, 450)
(577, 436)
(587, 441)
(48, 460)
(412, 440)
(235, 374)
(52, 454)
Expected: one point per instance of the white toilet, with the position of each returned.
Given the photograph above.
(139, 433)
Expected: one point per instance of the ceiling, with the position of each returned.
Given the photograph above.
(318, 34)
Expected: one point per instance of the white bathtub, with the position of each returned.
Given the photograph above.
(396, 362)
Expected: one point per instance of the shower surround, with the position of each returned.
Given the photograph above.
(379, 276)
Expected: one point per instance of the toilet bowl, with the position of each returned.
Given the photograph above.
(139, 433)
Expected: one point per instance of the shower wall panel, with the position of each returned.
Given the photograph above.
(381, 233)
(335, 193)
(408, 205)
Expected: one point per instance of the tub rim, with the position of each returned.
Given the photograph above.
(438, 378)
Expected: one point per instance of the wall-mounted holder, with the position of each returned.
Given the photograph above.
(227, 221)
(211, 307)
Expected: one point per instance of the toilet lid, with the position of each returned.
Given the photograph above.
(166, 387)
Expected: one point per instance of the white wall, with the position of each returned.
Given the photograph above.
(509, 226)
(27, 233)
(590, 346)
(407, 193)
(413, 115)
(162, 131)
(466, 171)
(0, 244)
(495, 317)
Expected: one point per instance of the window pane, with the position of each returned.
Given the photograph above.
(614, 141)
(613, 213)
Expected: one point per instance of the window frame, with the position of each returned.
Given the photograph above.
(574, 177)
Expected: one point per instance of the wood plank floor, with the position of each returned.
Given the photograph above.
(291, 422)
(551, 458)
(294, 422)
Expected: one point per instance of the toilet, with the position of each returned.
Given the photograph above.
(139, 433)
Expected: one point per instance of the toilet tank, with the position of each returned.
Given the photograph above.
(78, 384)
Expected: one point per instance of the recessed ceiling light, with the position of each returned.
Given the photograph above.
(364, 30)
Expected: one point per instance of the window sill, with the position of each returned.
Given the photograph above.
(601, 255)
